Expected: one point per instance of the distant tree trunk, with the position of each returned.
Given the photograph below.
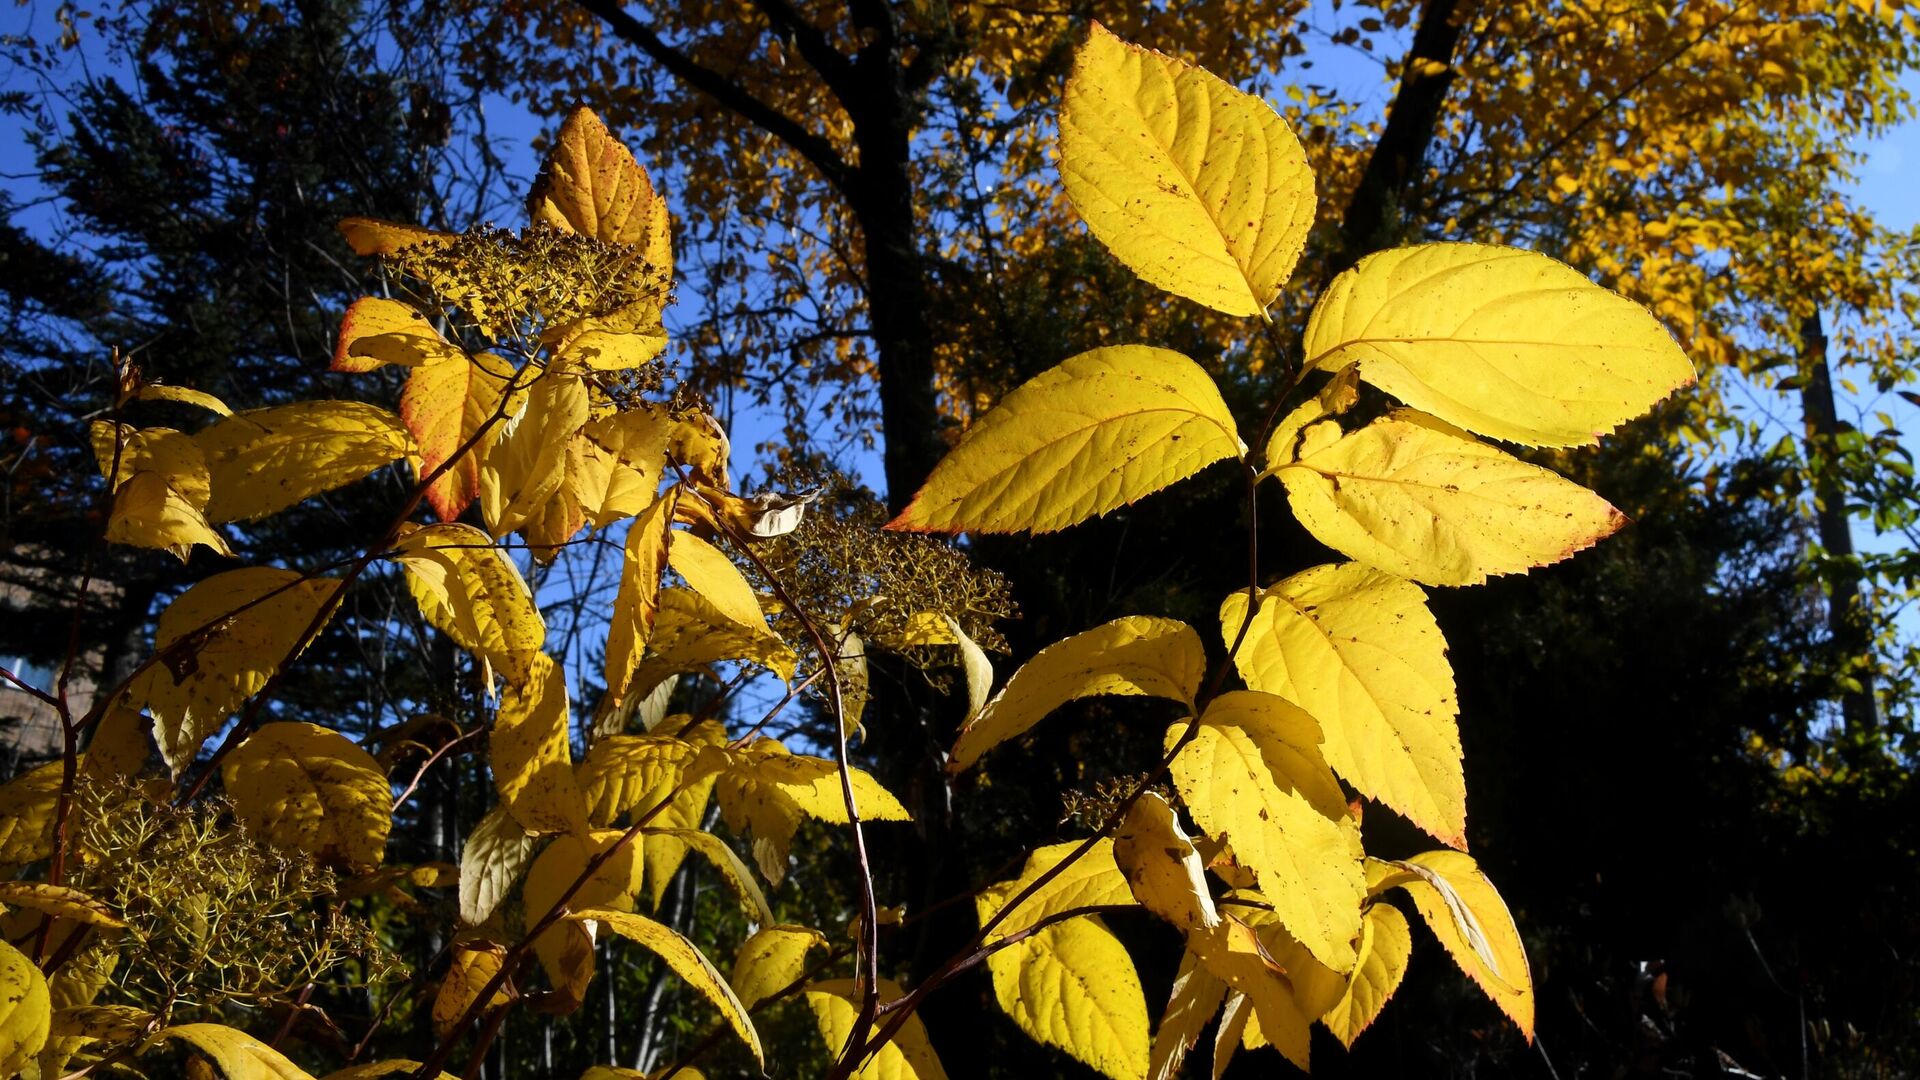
(1371, 221)
(1847, 622)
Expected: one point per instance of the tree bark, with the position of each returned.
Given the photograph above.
(1847, 623)
(1399, 159)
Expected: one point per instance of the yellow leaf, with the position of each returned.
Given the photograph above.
(257, 618)
(445, 405)
(469, 590)
(907, 1056)
(624, 338)
(772, 960)
(1200, 189)
(161, 489)
(303, 786)
(1161, 865)
(26, 1012)
(1072, 985)
(475, 963)
(1360, 652)
(1089, 436)
(1465, 912)
(615, 464)
(565, 949)
(184, 396)
(266, 460)
(713, 576)
(1239, 1027)
(376, 332)
(689, 633)
(768, 790)
(527, 462)
(28, 803)
(59, 901)
(111, 1024)
(637, 603)
(591, 185)
(372, 236)
(239, 1055)
(1133, 656)
(497, 851)
(686, 961)
(1197, 994)
(1504, 342)
(1385, 945)
(119, 747)
(1253, 773)
(374, 1070)
(633, 772)
(531, 751)
(1412, 497)
(1234, 954)
(1092, 880)
(728, 865)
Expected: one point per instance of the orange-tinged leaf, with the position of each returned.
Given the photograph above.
(1465, 912)
(1089, 436)
(1507, 343)
(1409, 495)
(1199, 188)
(305, 787)
(1135, 656)
(446, 405)
(376, 332)
(1359, 651)
(373, 236)
(591, 185)
(254, 619)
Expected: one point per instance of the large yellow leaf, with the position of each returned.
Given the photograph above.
(1089, 436)
(1092, 880)
(1200, 189)
(193, 690)
(1161, 864)
(591, 185)
(637, 602)
(623, 338)
(768, 790)
(376, 331)
(1360, 652)
(711, 574)
(238, 1055)
(1197, 994)
(28, 803)
(1072, 985)
(1385, 945)
(497, 852)
(907, 1056)
(161, 489)
(565, 949)
(475, 962)
(526, 464)
(1504, 342)
(772, 960)
(615, 464)
(469, 590)
(266, 460)
(531, 752)
(1465, 912)
(689, 633)
(1135, 656)
(445, 405)
(686, 961)
(632, 772)
(1253, 773)
(1415, 498)
(26, 1012)
(303, 786)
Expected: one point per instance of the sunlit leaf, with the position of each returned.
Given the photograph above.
(305, 787)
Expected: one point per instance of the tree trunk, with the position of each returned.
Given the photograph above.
(1847, 622)
(1373, 215)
